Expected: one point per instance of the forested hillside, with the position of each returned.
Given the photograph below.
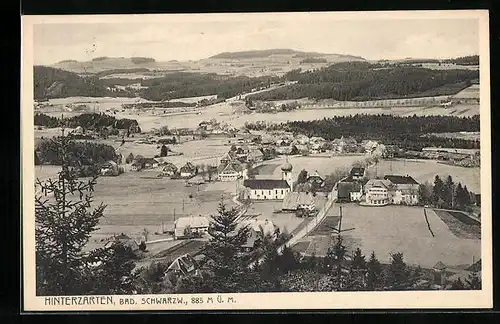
(182, 84)
(364, 81)
(55, 83)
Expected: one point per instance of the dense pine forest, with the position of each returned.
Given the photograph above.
(358, 81)
(406, 132)
(91, 121)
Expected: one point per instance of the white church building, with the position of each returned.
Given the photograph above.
(270, 189)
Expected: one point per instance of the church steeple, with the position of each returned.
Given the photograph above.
(286, 173)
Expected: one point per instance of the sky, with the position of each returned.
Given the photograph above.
(198, 38)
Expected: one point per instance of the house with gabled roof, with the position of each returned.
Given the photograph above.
(266, 189)
(188, 170)
(228, 172)
(404, 189)
(169, 169)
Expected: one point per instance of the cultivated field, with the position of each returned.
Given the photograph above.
(390, 229)
(137, 201)
(426, 170)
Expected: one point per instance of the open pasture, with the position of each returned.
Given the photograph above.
(426, 170)
(390, 229)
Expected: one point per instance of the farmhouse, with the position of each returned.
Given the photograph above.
(298, 200)
(287, 150)
(258, 230)
(123, 240)
(255, 156)
(149, 163)
(302, 139)
(188, 170)
(137, 165)
(345, 145)
(357, 173)
(184, 265)
(194, 224)
(316, 180)
(169, 169)
(231, 171)
(110, 168)
(404, 189)
(302, 149)
(348, 191)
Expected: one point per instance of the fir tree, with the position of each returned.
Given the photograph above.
(397, 273)
(64, 221)
(357, 271)
(302, 177)
(467, 197)
(448, 190)
(374, 274)
(437, 191)
(227, 260)
(459, 197)
(110, 271)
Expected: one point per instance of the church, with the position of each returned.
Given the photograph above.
(270, 189)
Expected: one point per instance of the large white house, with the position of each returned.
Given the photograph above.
(377, 192)
(404, 190)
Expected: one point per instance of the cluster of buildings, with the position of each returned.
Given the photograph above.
(391, 189)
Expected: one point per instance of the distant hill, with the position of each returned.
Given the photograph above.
(270, 52)
(104, 63)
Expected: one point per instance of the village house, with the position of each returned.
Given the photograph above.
(299, 200)
(255, 156)
(230, 171)
(123, 240)
(258, 230)
(150, 163)
(358, 173)
(188, 170)
(302, 139)
(193, 224)
(137, 165)
(345, 145)
(316, 180)
(302, 149)
(287, 150)
(404, 189)
(183, 265)
(349, 190)
(110, 168)
(169, 169)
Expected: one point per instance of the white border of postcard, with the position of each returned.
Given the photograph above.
(303, 300)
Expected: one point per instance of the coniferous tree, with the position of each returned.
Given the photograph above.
(449, 188)
(64, 222)
(374, 279)
(437, 191)
(302, 177)
(357, 271)
(397, 273)
(227, 260)
(467, 196)
(110, 271)
(459, 197)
